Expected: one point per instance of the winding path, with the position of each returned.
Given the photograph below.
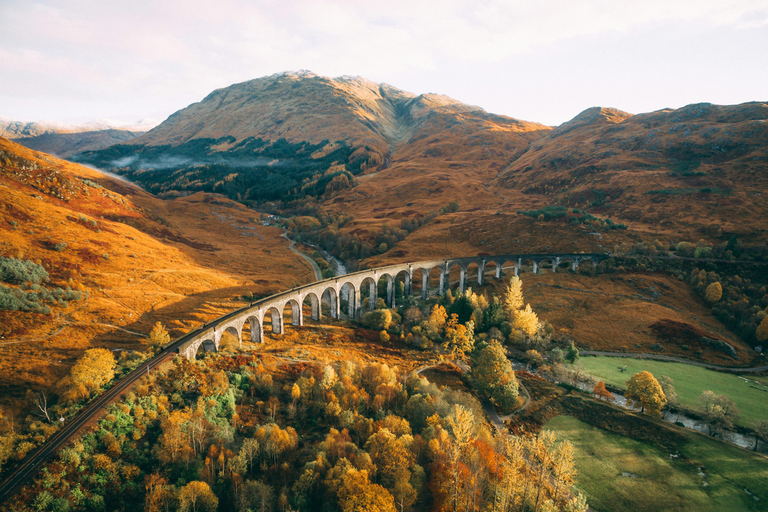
(315, 268)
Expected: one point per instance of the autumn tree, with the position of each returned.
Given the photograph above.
(713, 293)
(459, 339)
(602, 393)
(494, 376)
(91, 372)
(160, 496)
(437, 319)
(255, 496)
(377, 320)
(761, 432)
(197, 496)
(512, 299)
(720, 412)
(644, 391)
(527, 321)
(158, 336)
(358, 494)
(762, 330)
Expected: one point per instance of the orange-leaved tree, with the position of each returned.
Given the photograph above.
(602, 393)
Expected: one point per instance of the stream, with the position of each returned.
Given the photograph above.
(734, 438)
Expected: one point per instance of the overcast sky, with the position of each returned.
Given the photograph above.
(73, 61)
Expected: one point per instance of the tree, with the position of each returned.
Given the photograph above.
(527, 321)
(377, 320)
(459, 339)
(572, 355)
(94, 369)
(713, 293)
(158, 336)
(719, 410)
(437, 319)
(256, 496)
(762, 330)
(462, 307)
(512, 299)
(357, 494)
(668, 386)
(160, 496)
(761, 432)
(602, 393)
(197, 496)
(644, 391)
(494, 376)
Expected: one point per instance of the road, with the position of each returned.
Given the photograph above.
(315, 268)
(655, 357)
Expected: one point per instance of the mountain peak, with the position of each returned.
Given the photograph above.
(595, 116)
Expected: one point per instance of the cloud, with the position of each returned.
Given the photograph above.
(157, 56)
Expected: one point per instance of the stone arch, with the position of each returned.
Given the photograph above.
(295, 309)
(206, 346)
(491, 269)
(420, 282)
(368, 292)
(314, 306)
(455, 274)
(473, 274)
(349, 296)
(276, 319)
(234, 332)
(389, 291)
(252, 327)
(401, 292)
(527, 264)
(331, 298)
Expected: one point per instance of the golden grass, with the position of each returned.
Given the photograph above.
(182, 264)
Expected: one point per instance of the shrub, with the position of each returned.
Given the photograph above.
(20, 271)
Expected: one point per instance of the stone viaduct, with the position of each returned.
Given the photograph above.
(354, 286)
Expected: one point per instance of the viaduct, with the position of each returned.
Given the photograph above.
(354, 286)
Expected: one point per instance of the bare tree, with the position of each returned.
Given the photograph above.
(41, 402)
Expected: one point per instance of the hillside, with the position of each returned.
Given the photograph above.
(289, 136)
(128, 258)
(706, 162)
(65, 144)
(383, 157)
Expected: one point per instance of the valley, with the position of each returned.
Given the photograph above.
(230, 378)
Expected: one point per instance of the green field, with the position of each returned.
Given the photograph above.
(750, 397)
(617, 473)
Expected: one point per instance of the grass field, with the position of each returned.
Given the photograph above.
(750, 396)
(617, 473)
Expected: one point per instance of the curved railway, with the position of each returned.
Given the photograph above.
(35, 460)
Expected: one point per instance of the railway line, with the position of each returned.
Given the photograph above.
(32, 464)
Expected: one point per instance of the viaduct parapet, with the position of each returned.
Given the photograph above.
(352, 286)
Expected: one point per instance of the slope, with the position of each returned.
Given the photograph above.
(136, 259)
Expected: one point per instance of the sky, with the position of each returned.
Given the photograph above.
(75, 61)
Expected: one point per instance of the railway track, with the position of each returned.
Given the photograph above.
(32, 464)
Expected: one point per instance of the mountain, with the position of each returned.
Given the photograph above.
(388, 159)
(288, 136)
(66, 140)
(67, 144)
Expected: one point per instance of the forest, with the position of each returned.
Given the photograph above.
(251, 171)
